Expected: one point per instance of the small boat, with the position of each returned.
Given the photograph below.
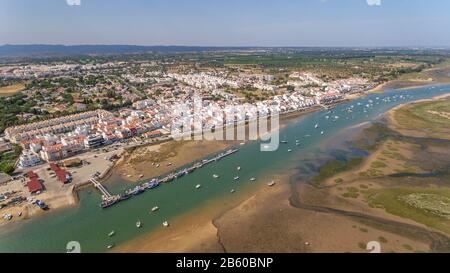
(271, 184)
(316, 126)
(284, 141)
(215, 175)
(198, 186)
(41, 205)
(297, 144)
(111, 233)
(165, 223)
(322, 133)
(290, 151)
(157, 165)
(238, 168)
(19, 214)
(110, 246)
(155, 209)
(252, 179)
(138, 224)
(232, 191)
(236, 178)
(140, 176)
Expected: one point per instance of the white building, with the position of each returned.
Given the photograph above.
(29, 159)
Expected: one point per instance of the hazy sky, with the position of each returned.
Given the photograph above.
(227, 22)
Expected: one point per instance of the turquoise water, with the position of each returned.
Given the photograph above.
(89, 224)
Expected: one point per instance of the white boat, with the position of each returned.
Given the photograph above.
(297, 144)
(141, 176)
(271, 184)
(138, 224)
(290, 150)
(165, 223)
(322, 133)
(215, 175)
(111, 233)
(239, 168)
(232, 191)
(198, 186)
(155, 209)
(252, 179)
(316, 126)
(20, 214)
(110, 246)
(236, 178)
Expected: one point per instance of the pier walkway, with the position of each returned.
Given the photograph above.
(101, 188)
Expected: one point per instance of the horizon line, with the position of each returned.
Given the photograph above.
(231, 46)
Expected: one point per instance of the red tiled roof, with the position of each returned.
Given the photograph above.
(32, 174)
(34, 185)
(60, 173)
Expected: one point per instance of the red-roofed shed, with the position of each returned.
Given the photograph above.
(34, 185)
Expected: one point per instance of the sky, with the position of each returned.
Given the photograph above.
(368, 23)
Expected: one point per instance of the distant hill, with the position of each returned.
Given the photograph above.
(63, 50)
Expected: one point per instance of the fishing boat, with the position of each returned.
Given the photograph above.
(165, 223)
(215, 175)
(236, 178)
(110, 246)
(153, 184)
(155, 209)
(41, 205)
(290, 150)
(316, 126)
(138, 224)
(198, 186)
(238, 168)
(232, 191)
(271, 184)
(111, 233)
(252, 179)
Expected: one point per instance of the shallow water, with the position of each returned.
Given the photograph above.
(89, 224)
